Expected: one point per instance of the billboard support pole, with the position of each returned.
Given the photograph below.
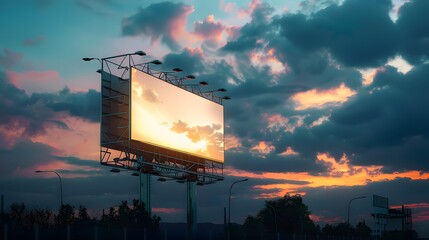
(191, 226)
(145, 191)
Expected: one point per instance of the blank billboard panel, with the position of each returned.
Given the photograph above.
(170, 117)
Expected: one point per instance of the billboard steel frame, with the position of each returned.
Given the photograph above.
(117, 149)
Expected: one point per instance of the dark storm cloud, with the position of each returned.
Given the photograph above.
(394, 120)
(272, 162)
(357, 33)
(24, 154)
(36, 112)
(382, 124)
(190, 61)
(85, 105)
(253, 31)
(147, 22)
(8, 58)
(414, 31)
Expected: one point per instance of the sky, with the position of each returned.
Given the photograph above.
(328, 101)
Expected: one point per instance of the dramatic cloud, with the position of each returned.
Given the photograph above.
(32, 81)
(327, 100)
(357, 33)
(210, 30)
(36, 112)
(413, 31)
(9, 58)
(147, 22)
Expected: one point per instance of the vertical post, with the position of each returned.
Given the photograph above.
(125, 233)
(225, 228)
(68, 232)
(191, 226)
(2, 214)
(36, 231)
(5, 232)
(145, 185)
(2, 208)
(95, 232)
(144, 234)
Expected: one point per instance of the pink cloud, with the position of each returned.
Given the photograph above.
(32, 81)
(167, 210)
(176, 27)
(81, 140)
(210, 31)
(268, 58)
(421, 216)
(233, 33)
(288, 152)
(251, 7)
(277, 122)
(232, 142)
(263, 148)
(54, 165)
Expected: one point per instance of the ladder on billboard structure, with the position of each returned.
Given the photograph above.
(159, 123)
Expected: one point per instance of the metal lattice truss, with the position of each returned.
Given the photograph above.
(118, 150)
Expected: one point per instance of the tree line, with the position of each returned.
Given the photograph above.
(124, 215)
(289, 215)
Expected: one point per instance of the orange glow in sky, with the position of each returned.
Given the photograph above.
(167, 116)
(340, 173)
(319, 98)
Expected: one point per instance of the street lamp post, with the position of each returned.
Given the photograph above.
(275, 220)
(229, 204)
(348, 208)
(61, 183)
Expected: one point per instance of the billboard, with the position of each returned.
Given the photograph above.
(379, 201)
(166, 116)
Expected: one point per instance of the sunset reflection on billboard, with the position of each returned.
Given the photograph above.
(170, 117)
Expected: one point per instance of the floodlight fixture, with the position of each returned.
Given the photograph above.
(86, 59)
(135, 174)
(203, 83)
(180, 181)
(99, 70)
(190, 76)
(217, 90)
(161, 179)
(226, 98)
(140, 53)
(177, 70)
(156, 62)
(115, 170)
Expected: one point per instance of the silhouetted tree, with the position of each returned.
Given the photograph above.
(362, 230)
(18, 212)
(254, 228)
(82, 216)
(65, 215)
(21, 216)
(136, 215)
(289, 214)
